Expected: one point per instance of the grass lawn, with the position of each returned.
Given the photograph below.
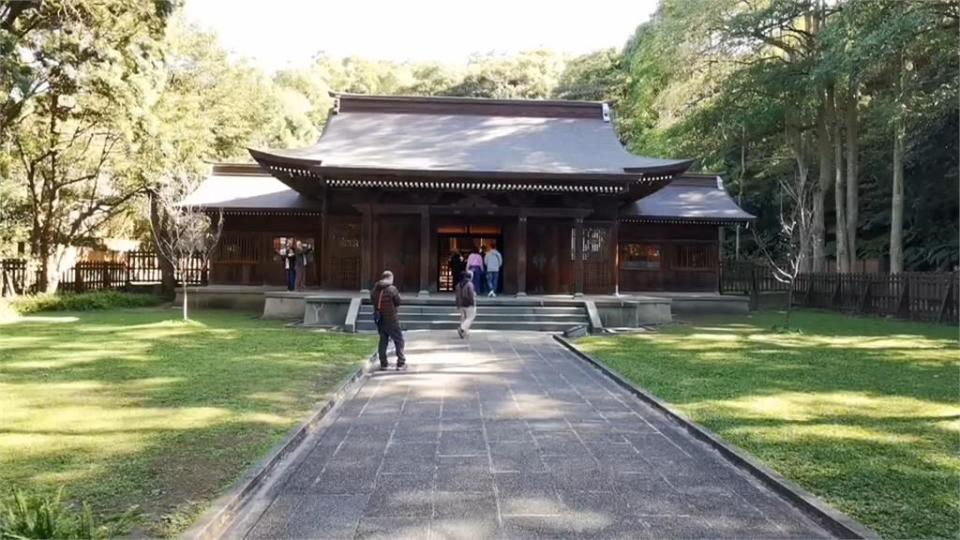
(862, 412)
(129, 407)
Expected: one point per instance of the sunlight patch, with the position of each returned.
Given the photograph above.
(811, 406)
(838, 432)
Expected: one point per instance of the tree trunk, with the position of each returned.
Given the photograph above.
(167, 279)
(896, 210)
(185, 286)
(839, 191)
(825, 175)
(786, 318)
(896, 198)
(851, 122)
(743, 173)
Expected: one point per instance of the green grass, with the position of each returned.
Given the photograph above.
(134, 407)
(862, 412)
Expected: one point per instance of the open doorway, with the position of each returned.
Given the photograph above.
(463, 240)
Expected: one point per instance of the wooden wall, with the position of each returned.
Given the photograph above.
(688, 257)
(246, 255)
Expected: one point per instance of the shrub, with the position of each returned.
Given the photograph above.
(25, 305)
(27, 516)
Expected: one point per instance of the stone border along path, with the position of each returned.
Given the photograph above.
(509, 435)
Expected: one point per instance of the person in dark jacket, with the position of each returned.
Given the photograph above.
(386, 302)
(457, 265)
(466, 297)
(304, 253)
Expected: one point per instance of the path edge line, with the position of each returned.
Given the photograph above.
(221, 514)
(836, 522)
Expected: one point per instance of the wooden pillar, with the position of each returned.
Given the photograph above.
(321, 255)
(720, 240)
(615, 243)
(578, 256)
(366, 249)
(424, 251)
(521, 255)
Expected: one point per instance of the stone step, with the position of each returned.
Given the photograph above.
(538, 326)
(454, 316)
(483, 310)
(511, 301)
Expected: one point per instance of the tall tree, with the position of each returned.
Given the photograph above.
(90, 71)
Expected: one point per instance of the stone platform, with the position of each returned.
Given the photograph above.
(349, 310)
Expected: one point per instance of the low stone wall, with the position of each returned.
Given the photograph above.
(633, 313)
(239, 298)
(710, 305)
(325, 311)
(283, 305)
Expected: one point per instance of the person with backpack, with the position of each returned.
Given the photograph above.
(386, 303)
(466, 297)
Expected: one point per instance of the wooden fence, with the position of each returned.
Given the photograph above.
(925, 296)
(132, 268)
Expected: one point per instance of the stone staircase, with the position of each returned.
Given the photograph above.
(506, 313)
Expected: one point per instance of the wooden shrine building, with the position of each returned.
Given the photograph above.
(399, 182)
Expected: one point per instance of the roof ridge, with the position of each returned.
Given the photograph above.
(238, 169)
(457, 105)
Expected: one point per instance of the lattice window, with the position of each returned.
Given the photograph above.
(639, 256)
(344, 253)
(237, 247)
(692, 256)
(594, 243)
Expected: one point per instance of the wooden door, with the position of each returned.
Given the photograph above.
(597, 260)
(342, 252)
(398, 250)
(549, 256)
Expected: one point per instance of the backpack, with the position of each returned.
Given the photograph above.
(377, 316)
(462, 295)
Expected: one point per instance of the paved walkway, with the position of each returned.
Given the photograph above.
(511, 436)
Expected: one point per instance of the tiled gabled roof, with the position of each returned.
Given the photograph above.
(469, 137)
(689, 198)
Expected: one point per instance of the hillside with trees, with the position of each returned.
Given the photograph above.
(858, 97)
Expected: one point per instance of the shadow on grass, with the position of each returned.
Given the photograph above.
(132, 407)
(863, 412)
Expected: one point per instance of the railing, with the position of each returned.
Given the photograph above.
(926, 296)
(13, 274)
(133, 268)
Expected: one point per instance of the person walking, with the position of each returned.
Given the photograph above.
(466, 297)
(493, 261)
(386, 303)
(304, 253)
(289, 255)
(475, 267)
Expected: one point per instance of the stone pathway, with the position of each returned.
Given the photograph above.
(511, 436)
